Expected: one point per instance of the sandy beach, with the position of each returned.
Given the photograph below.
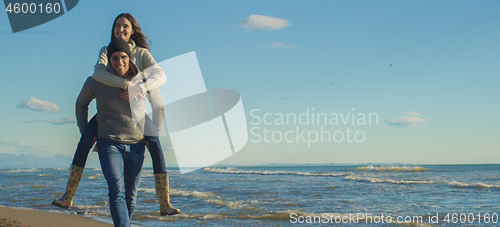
(10, 217)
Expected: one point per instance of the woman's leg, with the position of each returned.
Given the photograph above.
(151, 136)
(156, 152)
(111, 155)
(79, 160)
(159, 169)
(133, 167)
(85, 144)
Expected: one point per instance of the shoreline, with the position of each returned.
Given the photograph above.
(13, 217)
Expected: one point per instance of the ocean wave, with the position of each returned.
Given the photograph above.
(289, 215)
(267, 216)
(212, 198)
(233, 205)
(88, 207)
(472, 185)
(454, 184)
(212, 217)
(233, 171)
(37, 186)
(337, 218)
(22, 170)
(196, 194)
(148, 190)
(376, 180)
(285, 216)
(97, 176)
(392, 169)
(156, 216)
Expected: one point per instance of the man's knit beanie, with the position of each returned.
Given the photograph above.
(118, 44)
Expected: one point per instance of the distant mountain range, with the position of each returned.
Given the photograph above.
(315, 164)
(12, 161)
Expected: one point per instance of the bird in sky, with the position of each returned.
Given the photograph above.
(391, 65)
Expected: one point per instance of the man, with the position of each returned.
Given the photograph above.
(120, 144)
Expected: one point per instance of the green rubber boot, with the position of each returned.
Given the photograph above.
(162, 191)
(75, 174)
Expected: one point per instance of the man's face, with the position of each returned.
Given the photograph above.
(120, 63)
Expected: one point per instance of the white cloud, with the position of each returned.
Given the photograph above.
(262, 22)
(412, 113)
(277, 45)
(61, 121)
(405, 121)
(5, 143)
(39, 105)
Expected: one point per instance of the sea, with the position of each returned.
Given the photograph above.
(350, 195)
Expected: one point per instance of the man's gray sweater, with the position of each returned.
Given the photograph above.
(114, 116)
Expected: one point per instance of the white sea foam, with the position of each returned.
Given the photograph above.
(336, 218)
(147, 190)
(212, 216)
(472, 185)
(196, 194)
(22, 170)
(87, 207)
(97, 176)
(233, 171)
(287, 215)
(392, 169)
(455, 184)
(376, 180)
(181, 216)
(273, 216)
(212, 198)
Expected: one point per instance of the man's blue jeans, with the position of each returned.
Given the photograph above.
(121, 165)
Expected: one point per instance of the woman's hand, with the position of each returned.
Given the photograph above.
(132, 91)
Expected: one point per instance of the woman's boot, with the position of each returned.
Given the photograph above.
(161, 186)
(75, 173)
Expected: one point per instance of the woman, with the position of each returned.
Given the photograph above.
(126, 27)
(121, 146)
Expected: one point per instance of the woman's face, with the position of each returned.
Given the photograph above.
(123, 29)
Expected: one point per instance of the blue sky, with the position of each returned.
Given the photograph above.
(441, 92)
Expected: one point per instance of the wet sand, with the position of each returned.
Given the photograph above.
(10, 217)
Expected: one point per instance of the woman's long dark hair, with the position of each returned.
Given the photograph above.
(138, 37)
